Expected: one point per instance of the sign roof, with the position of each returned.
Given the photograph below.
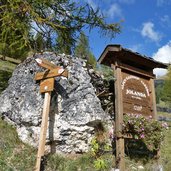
(113, 52)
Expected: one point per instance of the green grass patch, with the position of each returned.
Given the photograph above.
(6, 69)
(7, 66)
(166, 152)
(14, 155)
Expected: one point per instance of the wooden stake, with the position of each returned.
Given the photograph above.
(120, 148)
(43, 131)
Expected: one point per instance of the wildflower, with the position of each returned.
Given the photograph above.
(165, 125)
(142, 136)
(150, 117)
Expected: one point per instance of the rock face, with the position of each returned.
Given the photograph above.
(75, 108)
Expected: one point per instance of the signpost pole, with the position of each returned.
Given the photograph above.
(120, 152)
(46, 86)
(43, 131)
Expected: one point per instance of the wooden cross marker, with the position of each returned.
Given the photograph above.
(47, 79)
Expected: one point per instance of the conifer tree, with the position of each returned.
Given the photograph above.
(18, 19)
(82, 50)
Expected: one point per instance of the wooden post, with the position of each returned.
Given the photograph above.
(46, 86)
(43, 131)
(120, 152)
(153, 98)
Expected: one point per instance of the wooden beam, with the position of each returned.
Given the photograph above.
(120, 152)
(58, 71)
(137, 70)
(45, 63)
(43, 131)
(153, 96)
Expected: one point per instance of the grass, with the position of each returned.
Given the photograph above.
(17, 156)
(6, 69)
(14, 155)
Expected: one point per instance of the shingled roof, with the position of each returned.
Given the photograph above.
(113, 51)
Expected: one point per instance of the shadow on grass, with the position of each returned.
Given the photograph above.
(4, 77)
(136, 149)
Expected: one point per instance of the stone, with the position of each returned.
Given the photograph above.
(75, 109)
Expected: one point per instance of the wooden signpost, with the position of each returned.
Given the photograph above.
(47, 79)
(134, 89)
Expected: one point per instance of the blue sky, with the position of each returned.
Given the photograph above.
(146, 27)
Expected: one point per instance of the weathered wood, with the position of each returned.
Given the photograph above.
(45, 63)
(153, 96)
(58, 71)
(47, 85)
(120, 152)
(43, 131)
(137, 70)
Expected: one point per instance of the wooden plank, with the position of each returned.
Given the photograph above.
(12, 60)
(153, 96)
(137, 70)
(47, 85)
(58, 71)
(120, 154)
(43, 131)
(45, 63)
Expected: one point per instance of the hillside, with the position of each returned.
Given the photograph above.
(6, 69)
(15, 155)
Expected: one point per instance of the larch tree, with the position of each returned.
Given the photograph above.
(82, 50)
(20, 19)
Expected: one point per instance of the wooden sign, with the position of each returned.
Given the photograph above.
(47, 85)
(45, 63)
(58, 71)
(136, 94)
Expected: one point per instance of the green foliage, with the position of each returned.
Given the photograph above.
(159, 89)
(82, 48)
(65, 42)
(166, 92)
(99, 147)
(14, 30)
(62, 18)
(150, 131)
(92, 60)
(38, 43)
(14, 155)
(100, 164)
(106, 71)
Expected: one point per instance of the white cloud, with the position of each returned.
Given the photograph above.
(114, 11)
(163, 55)
(163, 2)
(166, 21)
(127, 1)
(149, 32)
(136, 47)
